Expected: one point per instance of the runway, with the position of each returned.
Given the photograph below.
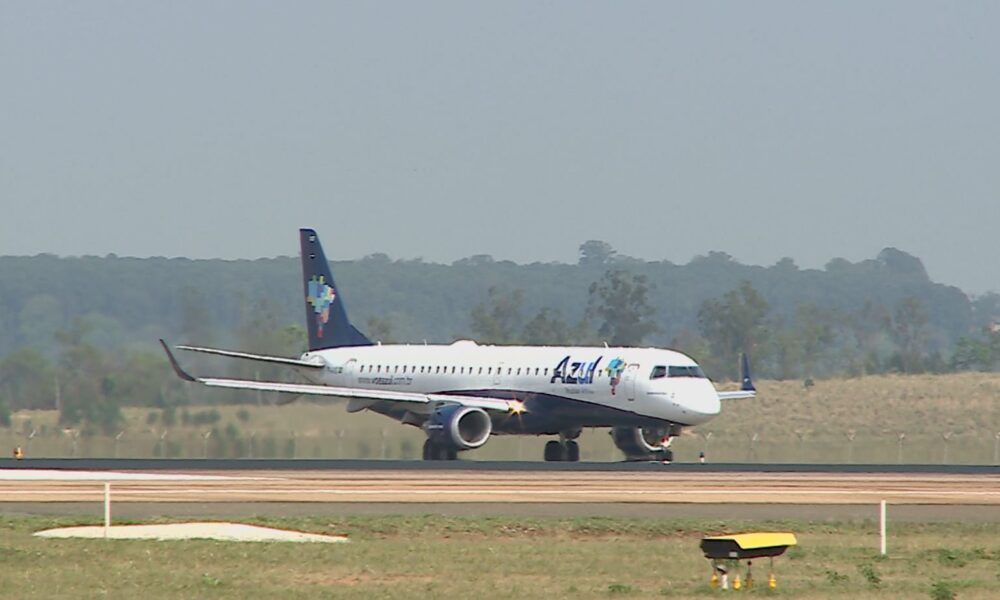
(506, 487)
(307, 464)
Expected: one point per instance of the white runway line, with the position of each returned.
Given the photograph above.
(58, 475)
(500, 492)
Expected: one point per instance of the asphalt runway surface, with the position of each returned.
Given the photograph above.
(300, 464)
(663, 492)
(834, 513)
(506, 486)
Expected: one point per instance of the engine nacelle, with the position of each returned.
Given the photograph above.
(461, 427)
(642, 443)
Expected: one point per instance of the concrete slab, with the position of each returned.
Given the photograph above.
(229, 532)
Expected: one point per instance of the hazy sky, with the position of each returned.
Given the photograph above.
(447, 129)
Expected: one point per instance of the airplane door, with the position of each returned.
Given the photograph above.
(496, 376)
(628, 381)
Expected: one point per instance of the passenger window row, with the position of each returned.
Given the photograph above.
(453, 370)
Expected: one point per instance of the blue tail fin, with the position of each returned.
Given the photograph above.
(746, 384)
(326, 318)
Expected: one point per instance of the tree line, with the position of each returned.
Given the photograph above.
(79, 334)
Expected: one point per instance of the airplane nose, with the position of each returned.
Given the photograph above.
(691, 401)
(704, 405)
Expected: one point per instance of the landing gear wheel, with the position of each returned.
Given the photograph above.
(554, 451)
(572, 451)
(433, 451)
(667, 456)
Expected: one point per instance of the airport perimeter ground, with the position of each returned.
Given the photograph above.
(507, 535)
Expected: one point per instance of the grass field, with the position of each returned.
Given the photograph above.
(942, 419)
(439, 557)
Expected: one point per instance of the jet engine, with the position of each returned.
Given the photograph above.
(642, 443)
(459, 427)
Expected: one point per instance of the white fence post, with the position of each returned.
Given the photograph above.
(881, 526)
(107, 508)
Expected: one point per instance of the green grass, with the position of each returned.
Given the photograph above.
(792, 423)
(439, 557)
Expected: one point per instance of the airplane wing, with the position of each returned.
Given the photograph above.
(376, 395)
(292, 362)
(737, 395)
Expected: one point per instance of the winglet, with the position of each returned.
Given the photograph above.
(746, 384)
(173, 363)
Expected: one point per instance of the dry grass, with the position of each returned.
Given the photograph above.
(793, 423)
(438, 557)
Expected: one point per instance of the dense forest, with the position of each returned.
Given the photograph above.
(79, 334)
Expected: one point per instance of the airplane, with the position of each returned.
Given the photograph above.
(461, 393)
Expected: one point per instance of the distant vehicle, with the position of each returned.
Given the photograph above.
(462, 393)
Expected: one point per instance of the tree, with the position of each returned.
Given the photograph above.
(379, 329)
(692, 344)
(902, 264)
(378, 257)
(786, 265)
(785, 351)
(196, 323)
(620, 302)
(869, 326)
(140, 300)
(814, 332)
(260, 330)
(145, 379)
(477, 260)
(986, 310)
(971, 355)
(977, 354)
(498, 320)
(4, 413)
(595, 253)
(736, 323)
(547, 328)
(86, 383)
(26, 380)
(909, 333)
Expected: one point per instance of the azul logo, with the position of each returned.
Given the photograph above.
(614, 371)
(574, 372)
(320, 296)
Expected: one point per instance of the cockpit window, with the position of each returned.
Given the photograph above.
(658, 372)
(692, 371)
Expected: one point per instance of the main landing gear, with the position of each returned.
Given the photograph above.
(565, 449)
(435, 451)
(562, 451)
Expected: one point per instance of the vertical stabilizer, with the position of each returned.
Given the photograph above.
(746, 383)
(326, 318)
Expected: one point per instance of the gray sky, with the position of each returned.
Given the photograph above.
(447, 129)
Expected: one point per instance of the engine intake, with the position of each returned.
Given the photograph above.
(641, 443)
(462, 427)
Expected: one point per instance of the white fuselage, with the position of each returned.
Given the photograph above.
(603, 386)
